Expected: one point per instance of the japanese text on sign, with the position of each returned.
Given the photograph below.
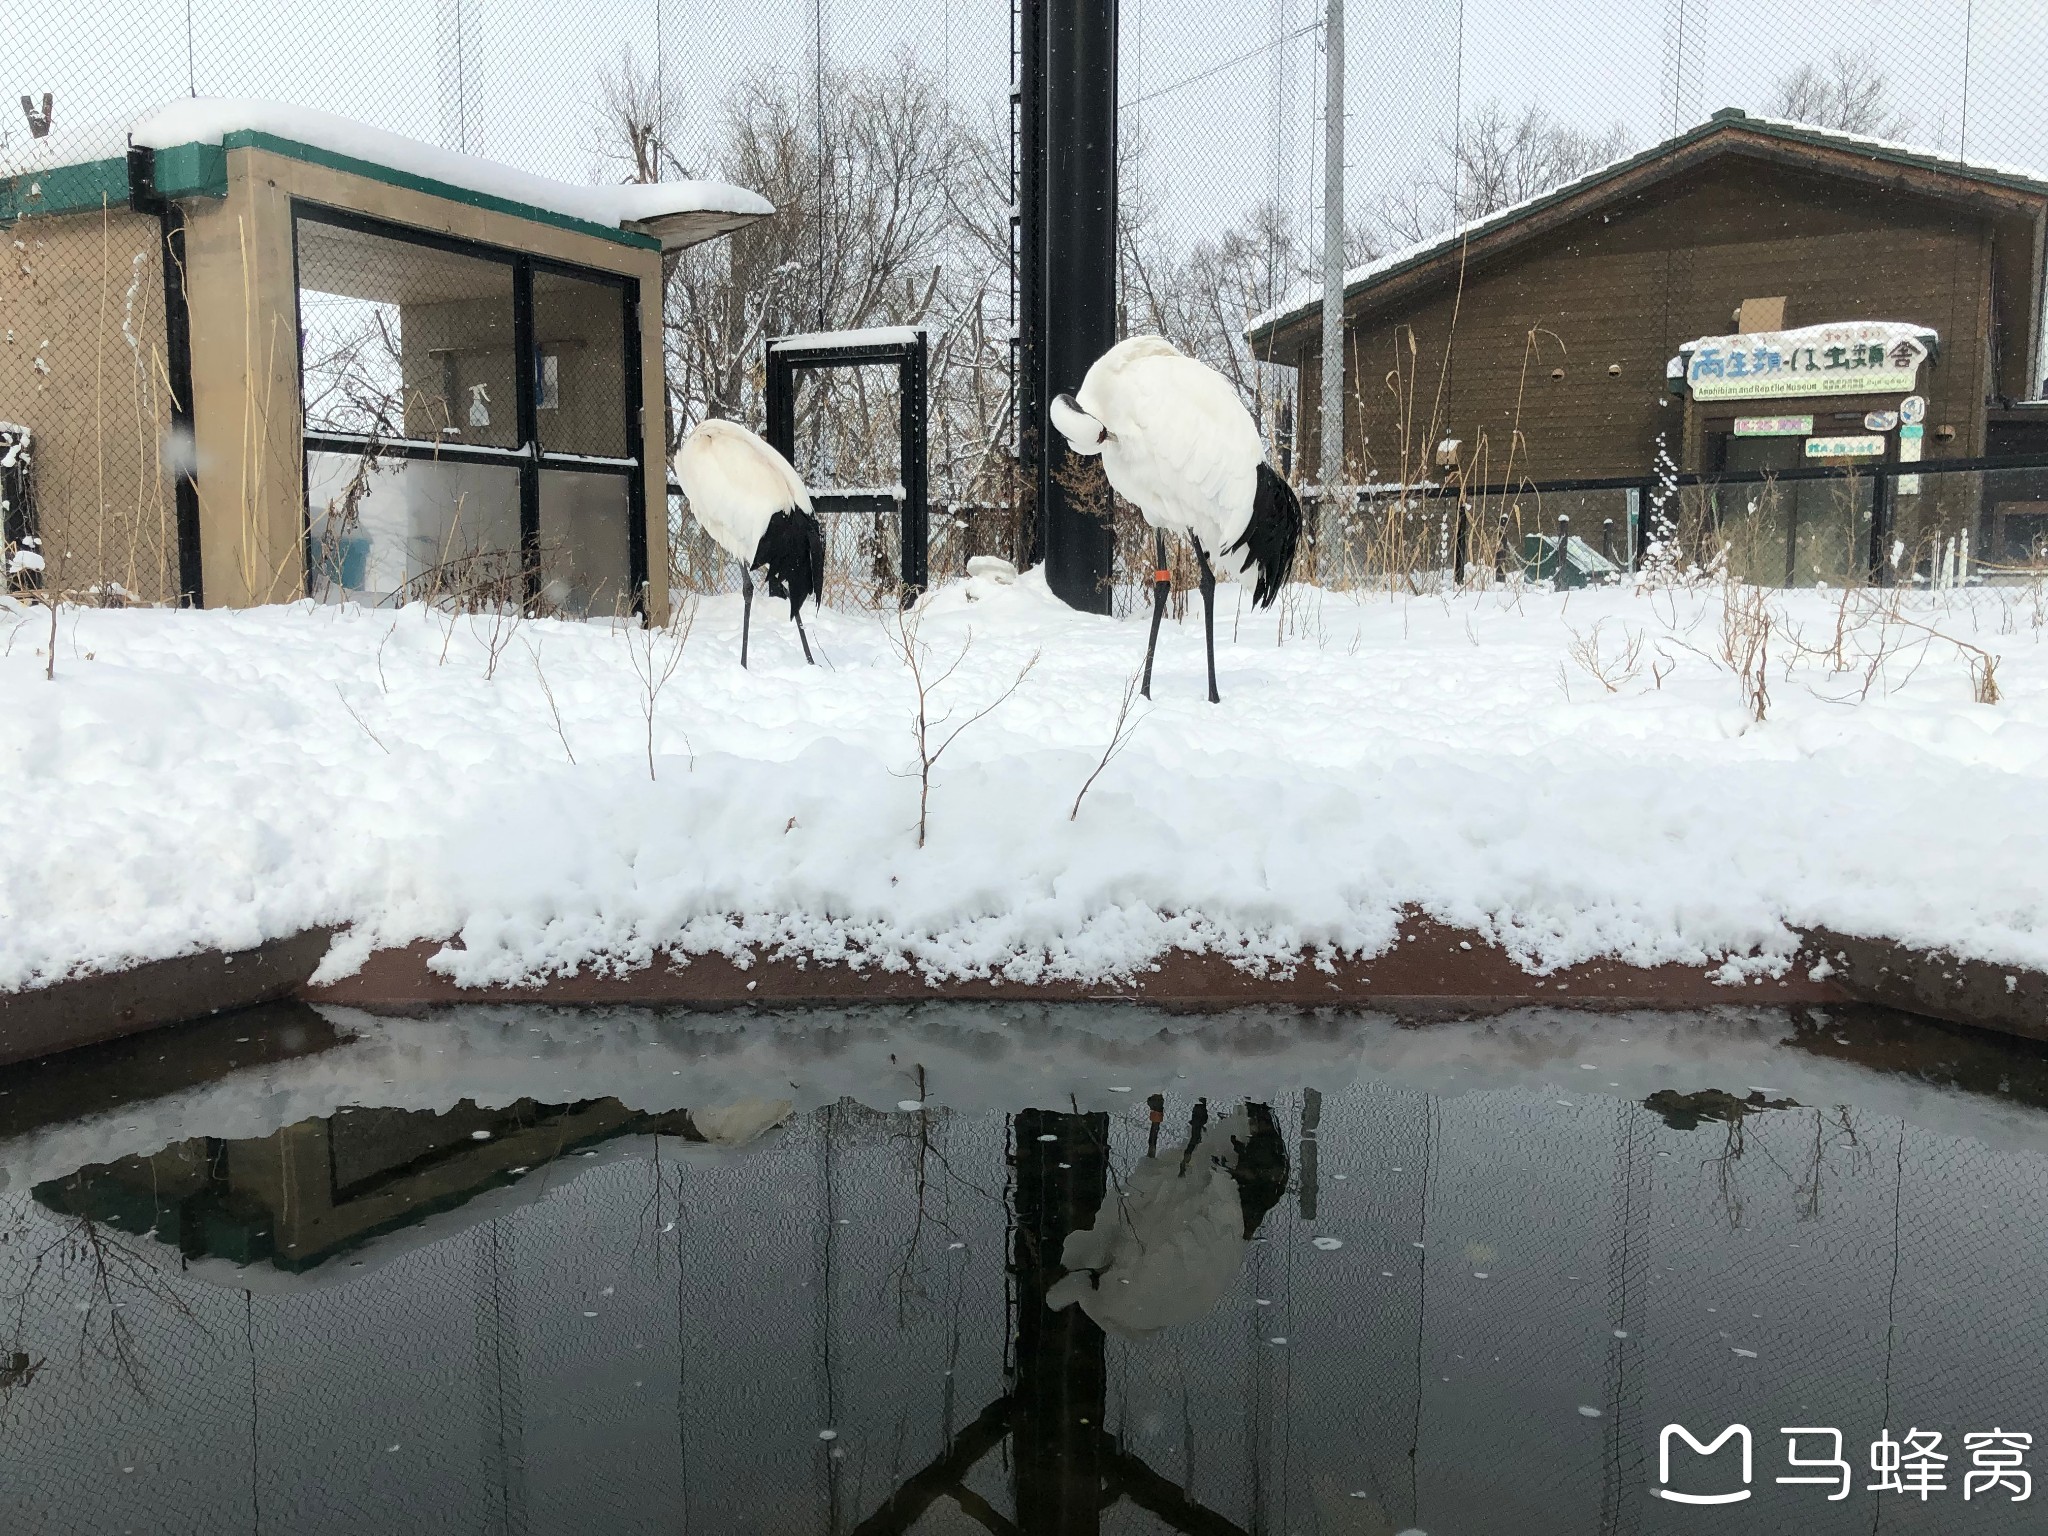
(1876, 358)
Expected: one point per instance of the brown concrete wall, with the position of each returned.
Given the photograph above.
(82, 365)
(1609, 299)
(245, 358)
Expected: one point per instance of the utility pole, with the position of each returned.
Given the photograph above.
(1330, 472)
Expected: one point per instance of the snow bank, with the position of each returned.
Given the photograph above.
(209, 119)
(196, 780)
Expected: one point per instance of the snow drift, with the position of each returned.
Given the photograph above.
(214, 780)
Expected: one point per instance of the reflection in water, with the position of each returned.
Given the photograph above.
(298, 1197)
(735, 1299)
(1172, 1239)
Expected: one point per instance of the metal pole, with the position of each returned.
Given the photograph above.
(1072, 223)
(915, 508)
(1331, 470)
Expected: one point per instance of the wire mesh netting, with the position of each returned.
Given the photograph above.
(883, 136)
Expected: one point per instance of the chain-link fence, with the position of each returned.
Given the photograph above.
(882, 134)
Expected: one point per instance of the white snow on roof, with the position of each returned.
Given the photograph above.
(1309, 294)
(209, 119)
(873, 336)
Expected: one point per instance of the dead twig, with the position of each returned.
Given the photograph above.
(1120, 735)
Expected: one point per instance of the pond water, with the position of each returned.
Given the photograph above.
(1022, 1269)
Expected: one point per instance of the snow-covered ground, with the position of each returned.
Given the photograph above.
(196, 780)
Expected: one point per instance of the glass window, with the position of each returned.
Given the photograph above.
(393, 530)
(585, 556)
(403, 340)
(415, 381)
(579, 335)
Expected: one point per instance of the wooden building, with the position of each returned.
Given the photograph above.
(258, 353)
(1746, 296)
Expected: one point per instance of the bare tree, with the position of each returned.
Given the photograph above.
(1497, 159)
(636, 125)
(1846, 91)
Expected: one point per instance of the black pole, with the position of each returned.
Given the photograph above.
(1067, 201)
(1883, 490)
(1060, 1381)
(916, 530)
(143, 197)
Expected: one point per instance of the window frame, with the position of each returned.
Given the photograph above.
(532, 456)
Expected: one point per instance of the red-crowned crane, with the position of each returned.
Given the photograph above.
(757, 509)
(1176, 443)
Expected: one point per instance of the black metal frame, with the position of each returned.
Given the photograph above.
(144, 198)
(1883, 473)
(912, 359)
(532, 457)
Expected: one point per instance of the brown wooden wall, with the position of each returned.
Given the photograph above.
(1609, 300)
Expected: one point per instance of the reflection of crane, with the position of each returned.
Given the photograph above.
(1068, 1467)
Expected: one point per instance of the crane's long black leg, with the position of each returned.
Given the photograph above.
(746, 610)
(806, 639)
(1209, 618)
(1198, 1122)
(1162, 583)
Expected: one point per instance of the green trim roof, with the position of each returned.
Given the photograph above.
(1374, 273)
(88, 185)
(201, 170)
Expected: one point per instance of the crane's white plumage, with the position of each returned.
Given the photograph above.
(1180, 447)
(1167, 1245)
(736, 482)
(1177, 444)
(756, 508)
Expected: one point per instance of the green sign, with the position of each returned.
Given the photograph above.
(1862, 445)
(1859, 358)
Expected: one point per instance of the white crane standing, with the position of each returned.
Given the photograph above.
(1177, 444)
(757, 509)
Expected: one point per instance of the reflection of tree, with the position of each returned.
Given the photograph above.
(1689, 1111)
(110, 1265)
(1830, 1130)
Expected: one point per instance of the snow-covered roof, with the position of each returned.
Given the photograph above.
(1308, 297)
(848, 341)
(661, 209)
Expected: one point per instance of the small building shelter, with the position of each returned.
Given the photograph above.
(1749, 297)
(259, 353)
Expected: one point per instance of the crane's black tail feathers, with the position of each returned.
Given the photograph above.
(1271, 536)
(792, 547)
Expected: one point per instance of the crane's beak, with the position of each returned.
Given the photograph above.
(1084, 434)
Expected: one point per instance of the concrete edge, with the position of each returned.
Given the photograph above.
(1432, 972)
(1937, 984)
(86, 1010)
(1432, 967)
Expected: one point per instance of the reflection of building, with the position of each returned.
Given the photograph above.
(1748, 296)
(344, 362)
(297, 1197)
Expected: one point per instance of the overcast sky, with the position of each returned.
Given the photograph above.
(1220, 138)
